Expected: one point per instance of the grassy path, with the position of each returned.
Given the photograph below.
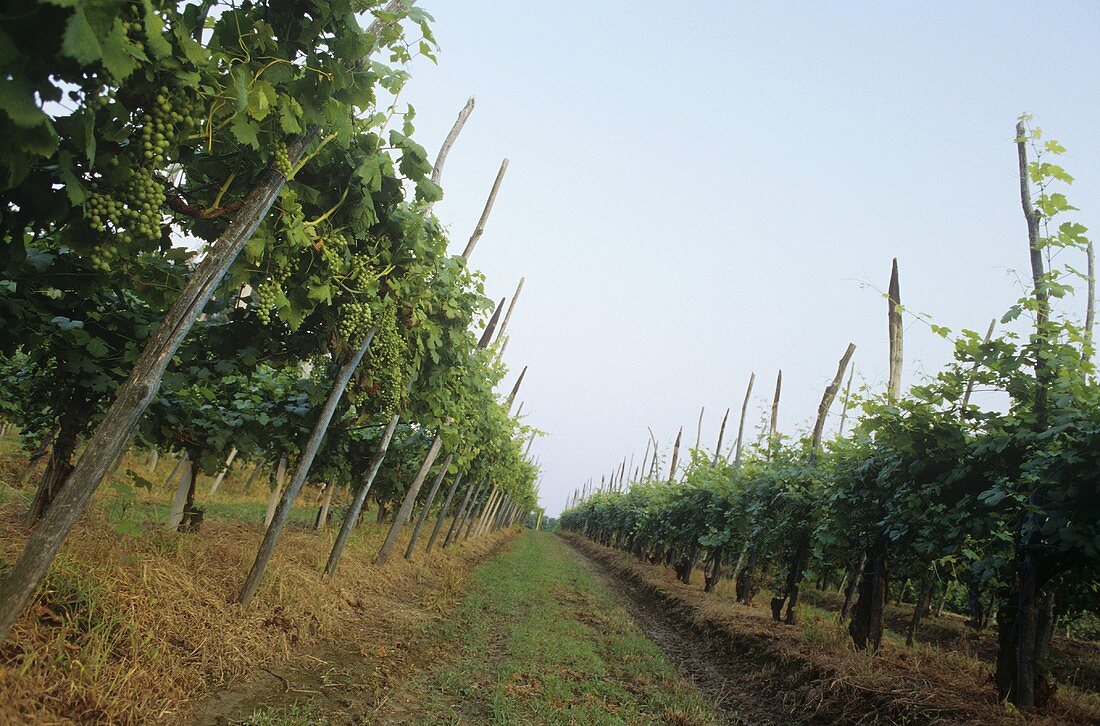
(540, 640)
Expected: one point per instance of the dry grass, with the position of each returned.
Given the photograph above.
(136, 629)
(815, 674)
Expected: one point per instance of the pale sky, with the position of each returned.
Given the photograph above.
(702, 190)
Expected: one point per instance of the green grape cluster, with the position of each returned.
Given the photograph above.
(388, 360)
(359, 271)
(131, 213)
(102, 256)
(264, 296)
(282, 160)
(355, 320)
(333, 248)
(161, 125)
(281, 270)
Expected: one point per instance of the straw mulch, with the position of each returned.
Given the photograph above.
(136, 629)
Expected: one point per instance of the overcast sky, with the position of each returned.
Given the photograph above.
(699, 191)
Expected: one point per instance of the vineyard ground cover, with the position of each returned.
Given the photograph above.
(811, 673)
(142, 628)
(541, 639)
(230, 503)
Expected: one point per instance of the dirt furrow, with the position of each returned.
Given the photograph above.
(721, 679)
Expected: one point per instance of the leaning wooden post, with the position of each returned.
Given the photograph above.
(445, 148)
(277, 491)
(177, 468)
(480, 228)
(427, 505)
(443, 511)
(326, 504)
(1090, 304)
(224, 470)
(410, 499)
(253, 474)
(301, 469)
(675, 455)
(827, 401)
(515, 389)
(802, 547)
(973, 369)
(179, 501)
(741, 424)
(477, 512)
(773, 423)
(847, 400)
(494, 516)
(721, 435)
(508, 315)
(464, 511)
(699, 428)
(487, 511)
(352, 517)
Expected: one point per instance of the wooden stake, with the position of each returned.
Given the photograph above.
(675, 455)
(721, 435)
(827, 401)
(427, 505)
(511, 307)
(515, 389)
(277, 491)
(175, 511)
(443, 511)
(893, 387)
(301, 469)
(970, 383)
(741, 424)
(409, 501)
(1090, 305)
(699, 428)
(445, 148)
(224, 470)
(480, 228)
(773, 424)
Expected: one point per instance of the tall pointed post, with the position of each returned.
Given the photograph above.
(893, 388)
(741, 424)
(699, 428)
(445, 148)
(675, 455)
(721, 435)
(515, 389)
(480, 228)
